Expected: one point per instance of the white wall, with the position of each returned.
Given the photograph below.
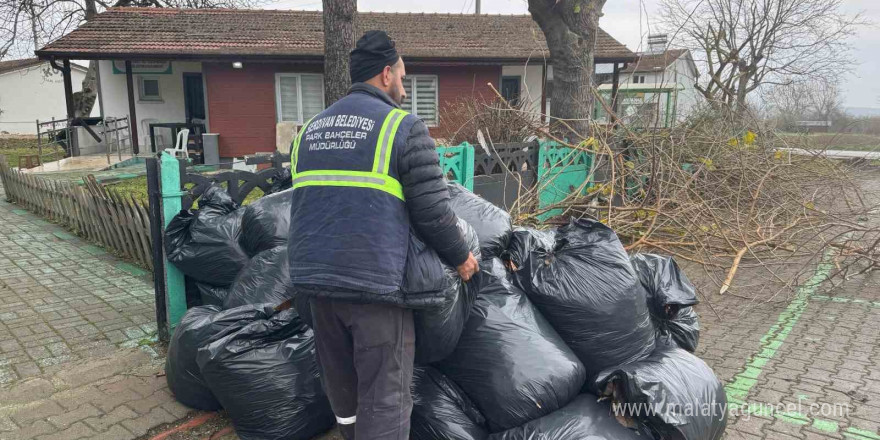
(688, 98)
(680, 76)
(170, 109)
(36, 92)
(531, 83)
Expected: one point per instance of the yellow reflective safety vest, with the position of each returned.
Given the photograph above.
(349, 228)
(376, 178)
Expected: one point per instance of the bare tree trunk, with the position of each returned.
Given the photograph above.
(742, 84)
(34, 18)
(339, 39)
(570, 28)
(89, 94)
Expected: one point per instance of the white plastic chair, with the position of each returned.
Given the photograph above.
(180, 145)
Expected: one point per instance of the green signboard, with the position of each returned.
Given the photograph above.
(145, 67)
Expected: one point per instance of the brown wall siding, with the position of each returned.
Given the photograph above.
(457, 83)
(241, 102)
(241, 107)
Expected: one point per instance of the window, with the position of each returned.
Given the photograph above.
(148, 89)
(548, 92)
(639, 79)
(298, 96)
(421, 92)
(510, 86)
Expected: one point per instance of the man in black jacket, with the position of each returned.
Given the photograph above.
(365, 176)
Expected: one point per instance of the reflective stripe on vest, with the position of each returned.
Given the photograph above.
(377, 179)
(294, 152)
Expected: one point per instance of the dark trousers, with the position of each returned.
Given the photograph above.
(366, 353)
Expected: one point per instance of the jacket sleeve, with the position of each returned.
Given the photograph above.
(427, 198)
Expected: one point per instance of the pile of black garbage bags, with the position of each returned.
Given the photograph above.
(561, 336)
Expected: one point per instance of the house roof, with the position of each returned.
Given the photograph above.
(13, 65)
(655, 62)
(152, 33)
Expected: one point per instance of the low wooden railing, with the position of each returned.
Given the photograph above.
(118, 223)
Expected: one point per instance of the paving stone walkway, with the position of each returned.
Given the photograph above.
(805, 369)
(808, 368)
(76, 359)
(77, 332)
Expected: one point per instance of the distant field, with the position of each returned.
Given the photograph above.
(830, 141)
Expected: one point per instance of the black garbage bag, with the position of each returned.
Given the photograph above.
(424, 276)
(671, 394)
(525, 240)
(684, 328)
(265, 374)
(438, 328)
(281, 180)
(666, 284)
(670, 298)
(491, 222)
(264, 280)
(195, 329)
(582, 419)
(589, 292)
(509, 360)
(204, 244)
(212, 295)
(441, 411)
(266, 223)
(193, 295)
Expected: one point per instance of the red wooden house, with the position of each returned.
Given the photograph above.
(253, 75)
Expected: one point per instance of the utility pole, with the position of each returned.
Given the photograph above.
(477, 9)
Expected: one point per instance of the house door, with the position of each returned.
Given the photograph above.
(194, 96)
(510, 86)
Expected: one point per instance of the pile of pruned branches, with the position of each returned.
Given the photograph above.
(719, 191)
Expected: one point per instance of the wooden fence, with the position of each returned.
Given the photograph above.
(92, 211)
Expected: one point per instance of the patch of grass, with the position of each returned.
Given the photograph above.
(138, 188)
(17, 142)
(13, 148)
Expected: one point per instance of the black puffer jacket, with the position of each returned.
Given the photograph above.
(350, 243)
(427, 198)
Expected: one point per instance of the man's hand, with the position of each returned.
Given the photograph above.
(468, 268)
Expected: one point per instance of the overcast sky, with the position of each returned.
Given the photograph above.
(630, 20)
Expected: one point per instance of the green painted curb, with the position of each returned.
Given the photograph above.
(63, 235)
(838, 299)
(860, 434)
(94, 250)
(778, 332)
(132, 269)
(738, 389)
(826, 425)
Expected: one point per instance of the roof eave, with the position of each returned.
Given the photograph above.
(47, 54)
(616, 59)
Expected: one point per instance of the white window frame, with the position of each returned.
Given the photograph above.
(412, 87)
(639, 79)
(144, 98)
(299, 95)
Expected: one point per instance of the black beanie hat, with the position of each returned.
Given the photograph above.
(372, 53)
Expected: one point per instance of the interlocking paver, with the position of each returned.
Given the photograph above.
(71, 319)
(66, 303)
(112, 418)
